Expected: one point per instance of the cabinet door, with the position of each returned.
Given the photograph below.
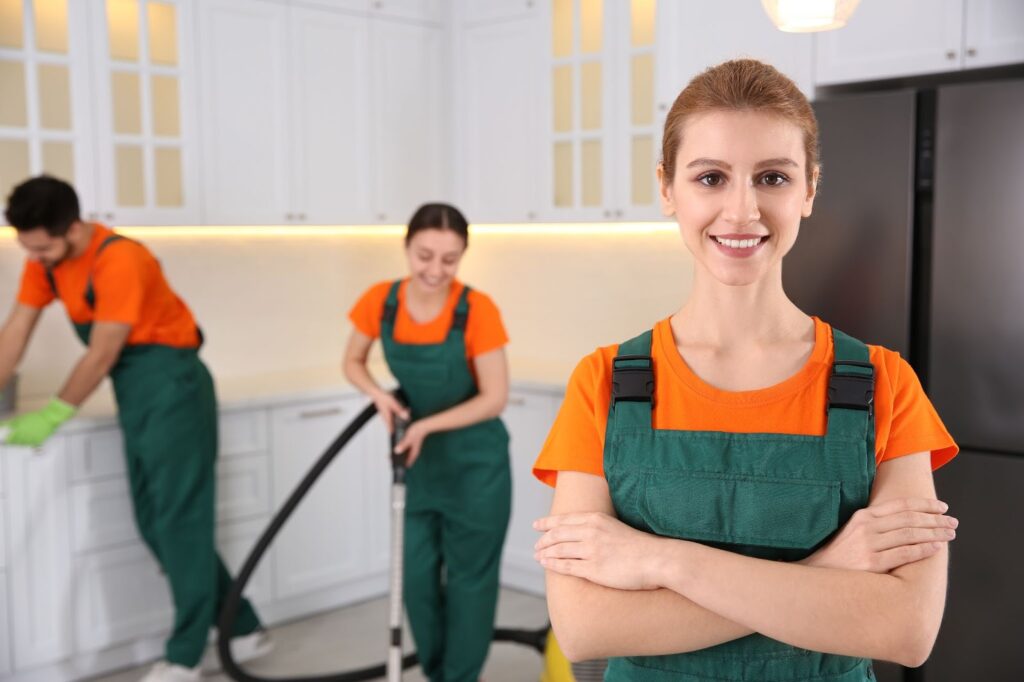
(579, 103)
(244, 59)
(411, 155)
(40, 553)
(372, 446)
(45, 123)
(234, 542)
(331, 115)
(147, 132)
(498, 119)
(5, 633)
(322, 544)
(120, 595)
(528, 417)
(994, 33)
(890, 40)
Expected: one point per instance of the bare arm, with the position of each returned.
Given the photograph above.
(105, 345)
(14, 337)
(594, 621)
(892, 616)
(354, 367)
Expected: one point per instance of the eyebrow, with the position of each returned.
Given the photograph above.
(716, 163)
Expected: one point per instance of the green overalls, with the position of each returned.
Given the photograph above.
(765, 495)
(168, 414)
(457, 507)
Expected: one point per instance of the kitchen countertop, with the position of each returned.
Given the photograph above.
(270, 388)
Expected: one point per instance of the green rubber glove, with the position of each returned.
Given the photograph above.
(33, 428)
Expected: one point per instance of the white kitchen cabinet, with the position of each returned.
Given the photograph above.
(693, 36)
(498, 98)
(5, 632)
(473, 12)
(603, 129)
(330, 116)
(994, 33)
(245, 76)
(916, 37)
(120, 595)
(39, 555)
(322, 546)
(144, 91)
(46, 97)
(373, 445)
(234, 542)
(411, 154)
(528, 416)
(432, 11)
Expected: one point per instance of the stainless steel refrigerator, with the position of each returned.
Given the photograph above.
(917, 243)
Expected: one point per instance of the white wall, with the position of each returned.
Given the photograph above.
(272, 304)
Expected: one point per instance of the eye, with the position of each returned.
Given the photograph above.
(774, 179)
(711, 179)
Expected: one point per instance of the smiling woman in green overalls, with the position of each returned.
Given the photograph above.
(444, 343)
(144, 337)
(744, 492)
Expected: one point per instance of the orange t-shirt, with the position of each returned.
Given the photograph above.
(905, 421)
(484, 329)
(130, 288)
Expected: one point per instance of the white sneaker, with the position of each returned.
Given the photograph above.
(243, 648)
(169, 672)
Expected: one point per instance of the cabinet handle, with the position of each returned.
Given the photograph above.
(662, 107)
(618, 213)
(971, 52)
(518, 402)
(382, 216)
(951, 54)
(326, 412)
(109, 216)
(301, 216)
(378, 4)
(607, 214)
(531, 216)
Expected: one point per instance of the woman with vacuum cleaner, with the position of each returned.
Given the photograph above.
(744, 492)
(444, 343)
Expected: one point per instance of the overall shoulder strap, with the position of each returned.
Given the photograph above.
(90, 293)
(632, 390)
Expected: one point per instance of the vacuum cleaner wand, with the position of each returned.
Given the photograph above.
(398, 468)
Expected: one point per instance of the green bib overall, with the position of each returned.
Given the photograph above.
(457, 506)
(765, 495)
(168, 414)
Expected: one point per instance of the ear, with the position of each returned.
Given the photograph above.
(668, 204)
(812, 192)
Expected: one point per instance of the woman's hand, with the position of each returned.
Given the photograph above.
(881, 538)
(412, 443)
(387, 407)
(599, 548)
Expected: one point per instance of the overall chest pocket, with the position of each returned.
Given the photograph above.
(740, 508)
(427, 372)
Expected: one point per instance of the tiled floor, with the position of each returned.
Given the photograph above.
(355, 637)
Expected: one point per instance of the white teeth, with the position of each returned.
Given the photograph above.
(738, 243)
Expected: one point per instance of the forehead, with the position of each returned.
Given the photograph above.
(436, 239)
(35, 239)
(739, 136)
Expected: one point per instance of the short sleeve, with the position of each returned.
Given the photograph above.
(576, 440)
(366, 313)
(35, 290)
(916, 426)
(484, 329)
(119, 282)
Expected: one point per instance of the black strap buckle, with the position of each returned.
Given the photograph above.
(852, 391)
(633, 383)
(459, 320)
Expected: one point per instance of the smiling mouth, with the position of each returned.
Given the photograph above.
(745, 243)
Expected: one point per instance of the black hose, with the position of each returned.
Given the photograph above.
(233, 601)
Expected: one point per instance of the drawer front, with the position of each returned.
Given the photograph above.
(243, 487)
(243, 432)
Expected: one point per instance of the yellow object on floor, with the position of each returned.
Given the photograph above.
(556, 665)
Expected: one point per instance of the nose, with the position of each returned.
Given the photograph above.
(741, 205)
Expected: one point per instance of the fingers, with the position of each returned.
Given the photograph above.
(561, 534)
(563, 550)
(905, 554)
(548, 522)
(913, 536)
(909, 504)
(898, 520)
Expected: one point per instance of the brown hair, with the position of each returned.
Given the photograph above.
(740, 85)
(438, 217)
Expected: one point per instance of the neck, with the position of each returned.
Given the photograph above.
(81, 239)
(736, 316)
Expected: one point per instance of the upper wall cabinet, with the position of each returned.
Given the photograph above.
(144, 97)
(498, 113)
(45, 94)
(915, 37)
(318, 116)
(693, 36)
(602, 127)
